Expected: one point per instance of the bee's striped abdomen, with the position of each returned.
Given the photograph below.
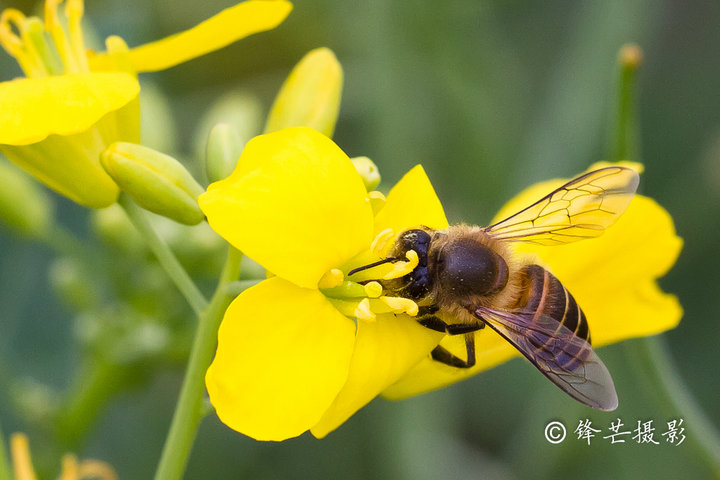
(545, 295)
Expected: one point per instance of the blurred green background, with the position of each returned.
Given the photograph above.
(490, 96)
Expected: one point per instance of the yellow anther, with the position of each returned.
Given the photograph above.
(75, 8)
(401, 305)
(332, 278)
(363, 311)
(397, 305)
(373, 289)
(400, 269)
(377, 201)
(8, 39)
(74, 11)
(381, 242)
(20, 46)
(57, 32)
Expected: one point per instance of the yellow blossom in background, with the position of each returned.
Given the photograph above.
(290, 357)
(613, 278)
(71, 468)
(74, 103)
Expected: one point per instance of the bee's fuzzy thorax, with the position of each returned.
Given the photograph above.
(454, 307)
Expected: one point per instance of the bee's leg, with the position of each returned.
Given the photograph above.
(442, 355)
(434, 323)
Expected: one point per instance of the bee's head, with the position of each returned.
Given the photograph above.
(464, 266)
(415, 239)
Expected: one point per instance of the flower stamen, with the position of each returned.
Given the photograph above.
(377, 201)
(373, 289)
(397, 305)
(400, 268)
(331, 279)
(20, 47)
(381, 242)
(57, 32)
(74, 10)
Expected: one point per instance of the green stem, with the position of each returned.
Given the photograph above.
(190, 407)
(624, 141)
(658, 367)
(164, 255)
(5, 472)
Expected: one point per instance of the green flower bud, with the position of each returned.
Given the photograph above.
(243, 112)
(24, 206)
(368, 171)
(310, 96)
(223, 150)
(157, 182)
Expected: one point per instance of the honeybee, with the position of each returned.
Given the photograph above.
(466, 279)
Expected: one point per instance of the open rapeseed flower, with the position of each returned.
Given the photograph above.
(73, 103)
(290, 358)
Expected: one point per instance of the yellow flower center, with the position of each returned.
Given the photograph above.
(363, 298)
(40, 55)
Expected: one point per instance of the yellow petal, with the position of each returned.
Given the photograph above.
(384, 351)
(70, 165)
(637, 311)
(31, 109)
(294, 204)
(283, 355)
(221, 30)
(412, 202)
(491, 350)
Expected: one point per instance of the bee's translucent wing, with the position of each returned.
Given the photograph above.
(566, 359)
(582, 208)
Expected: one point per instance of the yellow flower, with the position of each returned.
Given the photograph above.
(290, 358)
(73, 103)
(612, 277)
(71, 469)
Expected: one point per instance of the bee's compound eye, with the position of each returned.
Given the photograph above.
(471, 268)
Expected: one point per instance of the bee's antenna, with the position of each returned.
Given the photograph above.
(375, 264)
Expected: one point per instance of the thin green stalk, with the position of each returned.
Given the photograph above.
(656, 365)
(624, 140)
(5, 472)
(164, 255)
(190, 406)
